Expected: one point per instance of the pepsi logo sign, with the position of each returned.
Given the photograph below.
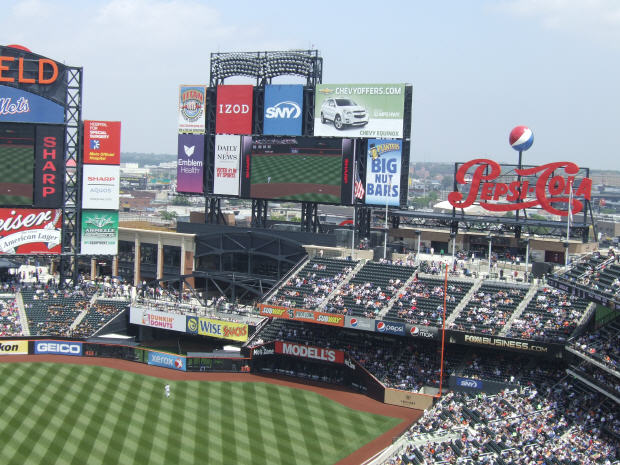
(354, 322)
(285, 110)
(414, 330)
(381, 326)
(521, 138)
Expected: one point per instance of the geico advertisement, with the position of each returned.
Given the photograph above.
(143, 316)
(58, 348)
(217, 328)
(14, 348)
(100, 187)
(359, 110)
(160, 359)
(315, 353)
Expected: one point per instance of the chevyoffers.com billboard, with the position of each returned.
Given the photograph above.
(227, 159)
(99, 232)
(359, 110)
(383, 163)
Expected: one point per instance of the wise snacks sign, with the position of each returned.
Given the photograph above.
(217, 328)
(543, 186)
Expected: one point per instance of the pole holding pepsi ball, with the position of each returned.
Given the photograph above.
(521, 138)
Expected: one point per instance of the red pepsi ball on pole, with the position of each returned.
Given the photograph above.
(521, 138)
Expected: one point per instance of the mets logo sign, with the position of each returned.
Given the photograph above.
(192, 104)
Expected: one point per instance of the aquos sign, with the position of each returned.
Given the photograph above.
(58, 348)
(544, 186)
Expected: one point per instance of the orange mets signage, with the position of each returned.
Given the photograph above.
(46, 71)
(544, 186)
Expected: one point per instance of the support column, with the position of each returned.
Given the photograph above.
(115, 266)
(93, 269)
(160, 259)
(136, 263)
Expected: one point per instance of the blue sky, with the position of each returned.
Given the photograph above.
(478, 68)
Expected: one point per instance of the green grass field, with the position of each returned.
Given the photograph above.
(297, 168)
(16, 167)
(79, 414)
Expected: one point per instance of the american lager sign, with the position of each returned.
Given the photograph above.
(99, 232)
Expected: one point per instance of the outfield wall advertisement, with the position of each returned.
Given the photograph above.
(99, 232)
(100, 188)
(190, 163)
(383, 165)
(407, 399)
(226, 165)
(192, 109)
(156, 319)
(217, 328)
(162, 359)
(45, 347)
(30, 231)
(13, 347)
(273, 311)
(359, 110)
(102, 142)
(283, 110)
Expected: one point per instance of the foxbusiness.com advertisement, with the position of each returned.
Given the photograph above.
(99, 232)
(310, 352)
(217, 328)
(516, 345)
(30, 231)
(273, 311)
(383, 164)
(190, 163)
(226, 165)
(359, 110)
(143, 316)
(283, 110)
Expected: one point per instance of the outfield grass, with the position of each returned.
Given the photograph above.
(80, 414)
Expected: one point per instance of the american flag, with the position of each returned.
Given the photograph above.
(358, 186)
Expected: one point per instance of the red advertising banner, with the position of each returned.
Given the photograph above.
(234, 109)
(311, 352)
(102, 142)
(311, 316)
(30, 231)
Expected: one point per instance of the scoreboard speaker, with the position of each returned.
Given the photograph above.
(539, 269)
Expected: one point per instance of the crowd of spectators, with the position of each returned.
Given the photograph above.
(551, 314)
(602, 345)
(10, 324)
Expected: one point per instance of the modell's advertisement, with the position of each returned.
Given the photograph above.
(30, 231)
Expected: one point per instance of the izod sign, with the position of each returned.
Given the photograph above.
(544, 186)
(14, 69)
(234, 109)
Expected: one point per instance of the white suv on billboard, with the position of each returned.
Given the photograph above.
(343, 112)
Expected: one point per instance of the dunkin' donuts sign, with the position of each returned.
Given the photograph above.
(543, 186)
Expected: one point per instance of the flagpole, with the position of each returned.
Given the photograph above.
(353, 235)
(568, 221)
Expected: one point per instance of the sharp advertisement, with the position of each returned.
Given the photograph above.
(49, 171)
(102, 142)
(283, 110)
(192, 109)
(18, 106)
(99, 232)
(30, 231)
(234, 109)
(302, 169)
(359, 110)
(100, 187)
(226, 165)
(383, 165)
(190, 163)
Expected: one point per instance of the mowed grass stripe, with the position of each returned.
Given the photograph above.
(97, 416)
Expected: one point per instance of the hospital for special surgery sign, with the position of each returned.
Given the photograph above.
(30, 231)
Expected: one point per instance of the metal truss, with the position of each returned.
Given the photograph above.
(310, 217)
(72, 196)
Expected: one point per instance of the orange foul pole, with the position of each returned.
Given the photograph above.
(443, 327)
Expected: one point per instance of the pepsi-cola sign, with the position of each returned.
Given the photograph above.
(390, 327)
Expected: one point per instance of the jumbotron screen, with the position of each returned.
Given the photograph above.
(17, 143)
(301, 169)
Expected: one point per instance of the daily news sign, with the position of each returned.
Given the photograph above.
(543, 186)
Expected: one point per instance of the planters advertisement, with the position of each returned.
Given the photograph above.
(383, 172)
